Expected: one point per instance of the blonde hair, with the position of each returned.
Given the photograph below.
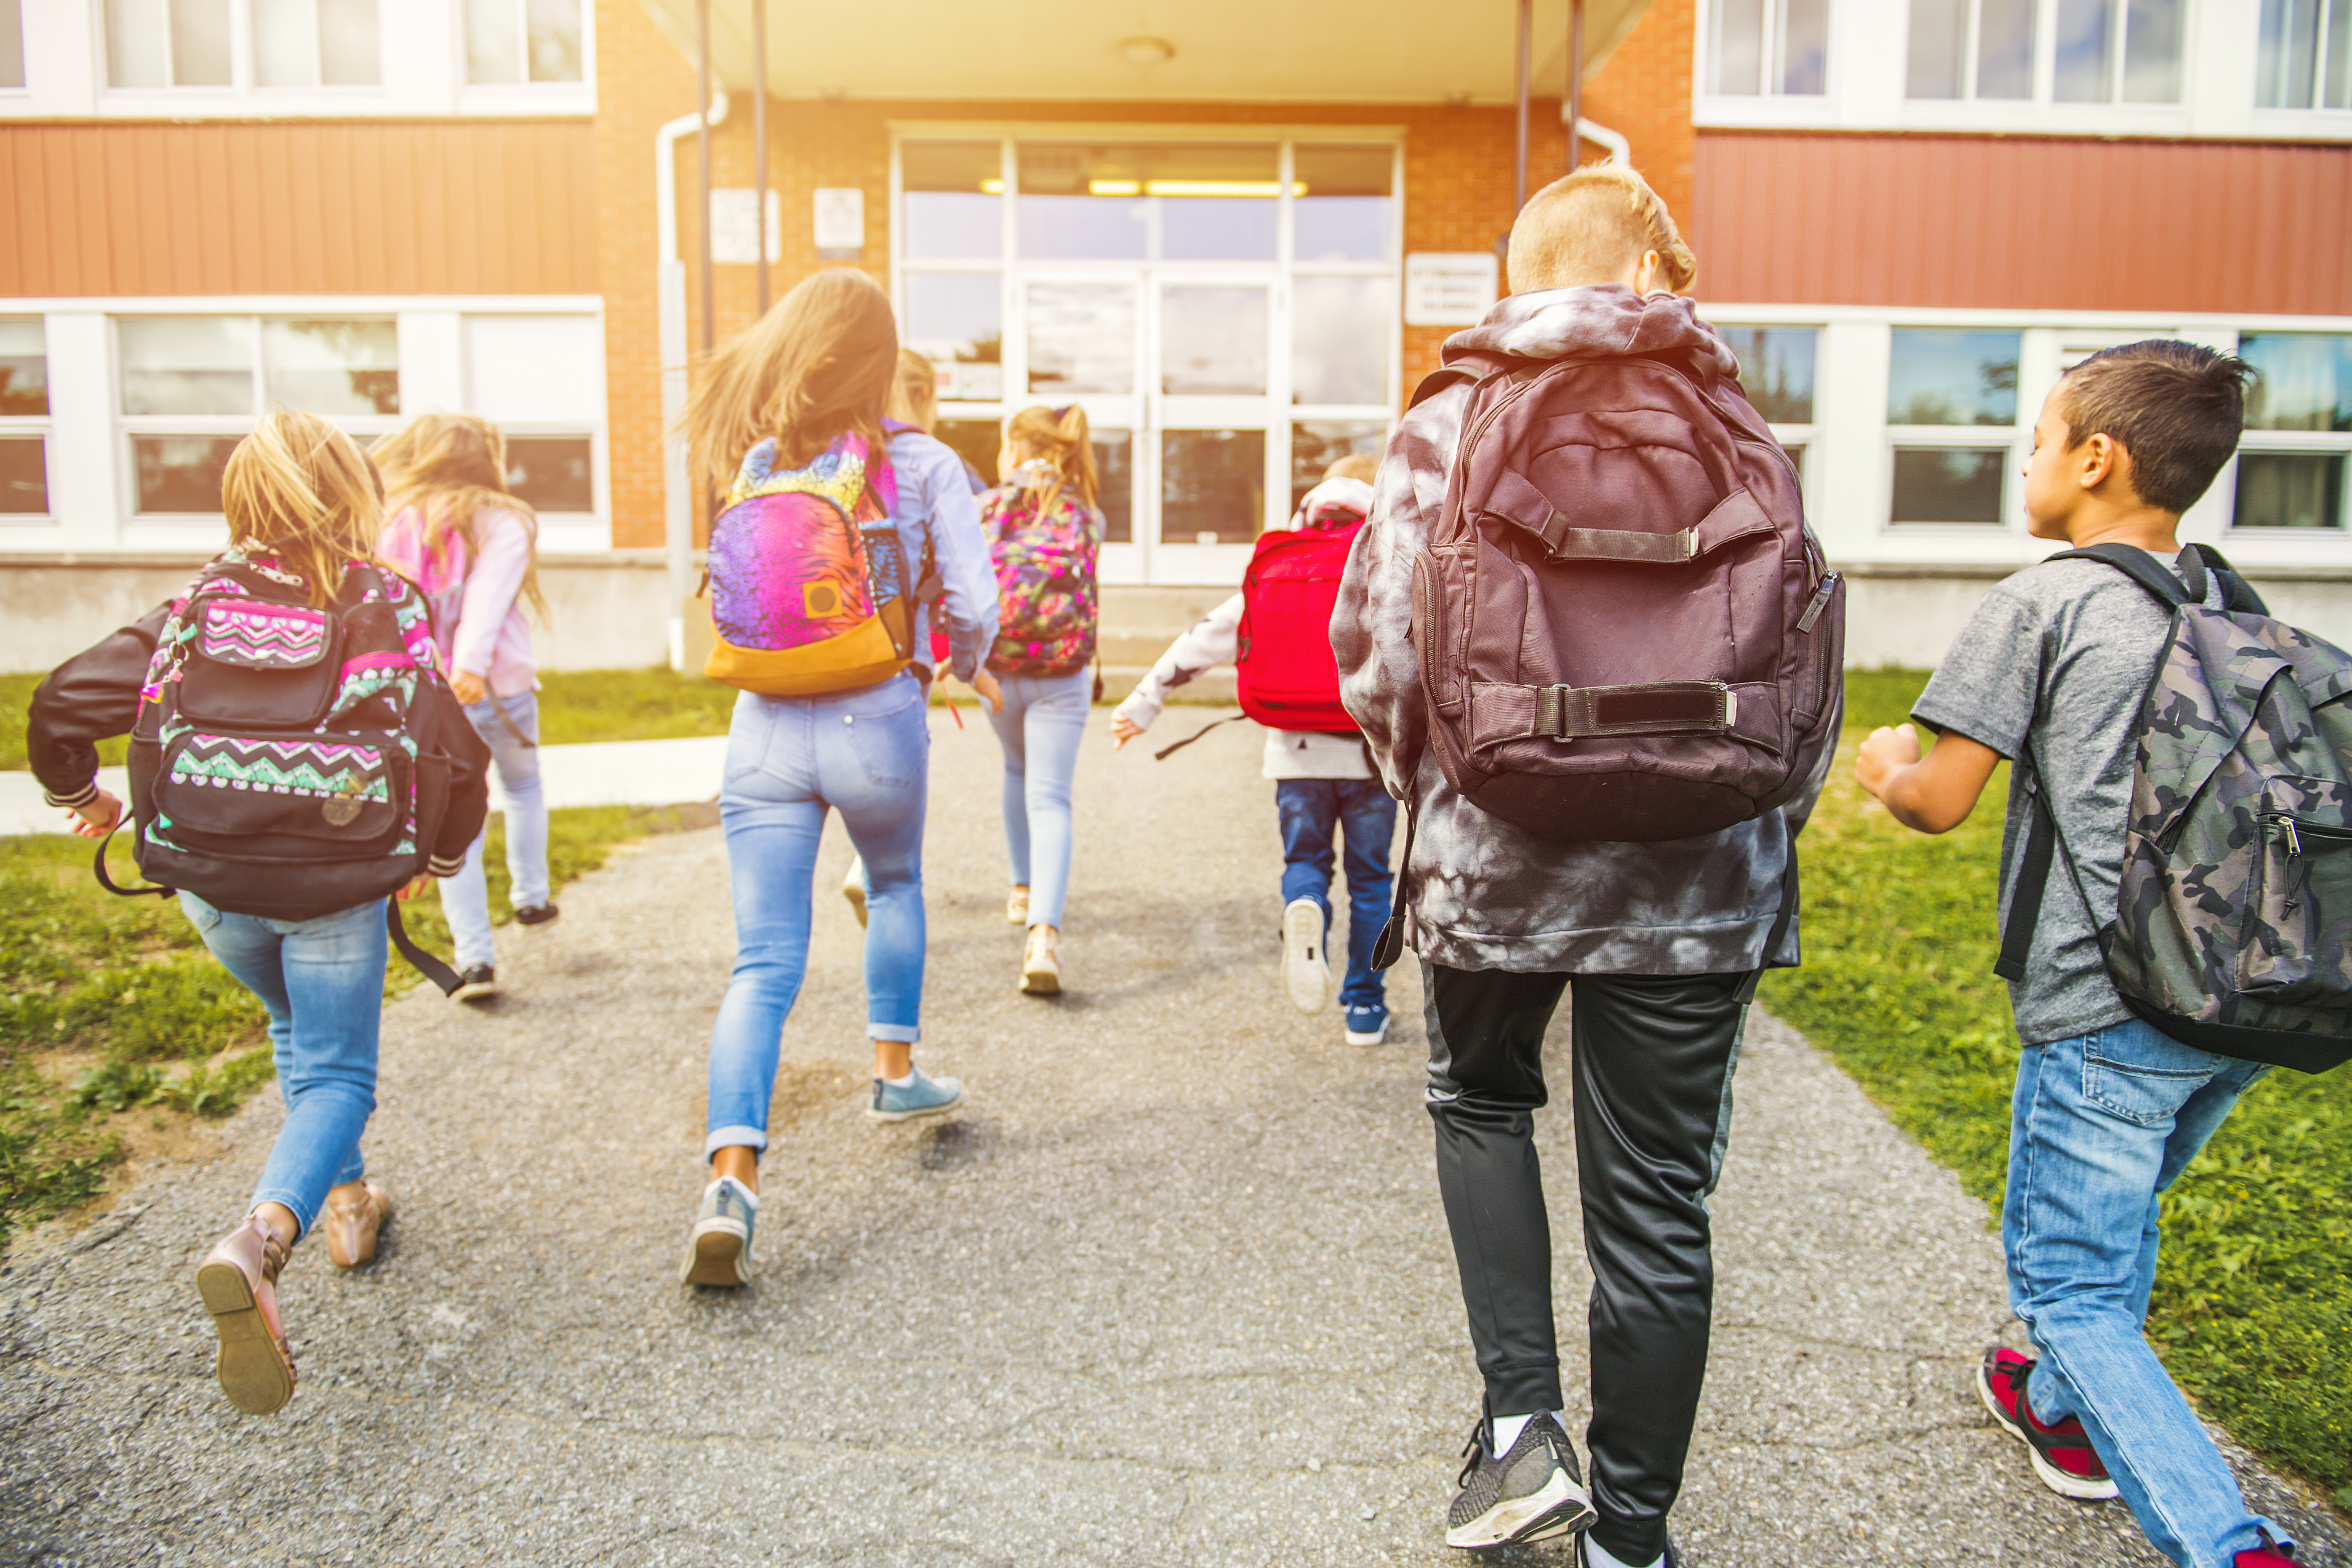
(819, 363)
(1364, 465)
(1062, 441)
(453, 468)
(1591, 227)
(299, 491)
(915, 392)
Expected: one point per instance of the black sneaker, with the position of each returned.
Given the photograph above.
(1532, 1493)
(538, 915)
(476, 983)
(1673, 1559)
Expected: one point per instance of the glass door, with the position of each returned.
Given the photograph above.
(1209, 409)
(1080, 339)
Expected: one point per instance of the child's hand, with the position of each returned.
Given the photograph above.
(96, 817)
(1123, 730)
(423, 880)
(984, 683)
(1885, 752)
(469, 688)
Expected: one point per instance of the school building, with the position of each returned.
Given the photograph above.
(1235, 233)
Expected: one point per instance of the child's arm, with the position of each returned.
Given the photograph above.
(491, 587)
(1208, 643)
(91, 698)
(1934, 794)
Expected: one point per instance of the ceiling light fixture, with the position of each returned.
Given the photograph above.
(1147, 51)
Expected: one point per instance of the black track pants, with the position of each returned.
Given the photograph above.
(1653, 1057)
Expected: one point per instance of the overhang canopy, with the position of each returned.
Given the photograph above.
(1232, 51)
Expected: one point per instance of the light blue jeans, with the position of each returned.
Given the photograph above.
(322, 982)
(1045, 720)
(2102, 1125)
(466, 897)
(866, 755)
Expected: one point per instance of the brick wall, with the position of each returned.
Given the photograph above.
(1459, 165)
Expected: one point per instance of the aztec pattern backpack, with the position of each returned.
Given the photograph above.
(809, 586)
(2234, 927)
(1625, 629)
(1284, 673)
(1046, 591)
(283, 763)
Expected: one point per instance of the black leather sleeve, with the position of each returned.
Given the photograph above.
(469, 779)
(92, 696)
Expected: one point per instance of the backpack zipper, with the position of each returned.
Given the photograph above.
(2291, 830)
(1818, 602)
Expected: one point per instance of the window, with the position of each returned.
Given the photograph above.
(316, 43)
(2099, 51)
(1947, 390)
(295, 43)
(1769, 46)
(167, 43)
(1212, 486)
(1776, 371)
(517, 41)
(24, 420)
(2305, 55)
(1173, 202)
(191, 386)
(2298, 431)
(1317, 444)
(541, 378)
(12, 44)
(1341, 207)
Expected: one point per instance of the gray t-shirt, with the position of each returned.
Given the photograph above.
(2054, 664)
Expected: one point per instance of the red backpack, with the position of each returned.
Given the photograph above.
(1285, 676)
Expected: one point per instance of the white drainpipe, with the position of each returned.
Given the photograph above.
(1619, 150)
(678, 507)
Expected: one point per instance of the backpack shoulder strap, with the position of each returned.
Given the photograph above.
(1467, 372)
(2025, 898)
(2238, 595)
(2142, 568)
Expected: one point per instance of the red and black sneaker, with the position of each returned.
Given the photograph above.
(2063, 1456)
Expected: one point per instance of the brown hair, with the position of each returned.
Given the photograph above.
(453, 468)
(2177, 409)
(1591, 227)
(820, 363)
(915, 392)
(1059, 436)
(1364, 465)
(297, 490)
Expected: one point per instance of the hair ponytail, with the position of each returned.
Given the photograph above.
(1060, 438)
(299, 491)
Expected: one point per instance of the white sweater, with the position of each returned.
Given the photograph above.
(1289, 753)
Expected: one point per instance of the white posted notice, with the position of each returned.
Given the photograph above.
(1449, 288)
(840, 219)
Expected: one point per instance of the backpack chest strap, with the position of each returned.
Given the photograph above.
(1652, 708)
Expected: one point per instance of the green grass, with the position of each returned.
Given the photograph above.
(2253, 1309)
(656, 704)
(16, 701)
(111, 1006)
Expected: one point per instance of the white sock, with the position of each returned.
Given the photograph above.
(1508, 1427)
(748, 1195)
(1597, 1556)
(906, 1082)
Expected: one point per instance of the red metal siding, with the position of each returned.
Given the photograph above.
(299, 208)
(2023, 223)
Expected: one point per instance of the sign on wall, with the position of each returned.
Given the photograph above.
(840, 222)
(733, 241)
(1449, 288)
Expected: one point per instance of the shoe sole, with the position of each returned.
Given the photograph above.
(874, 1115)
(1041, 982)
(1559, 1508)
(1304, 973)
(540, 925)
(1378, 1037)
(2077, 1487)
(474, 991)
(715, 1257)
(857, 897)
(251, 1373)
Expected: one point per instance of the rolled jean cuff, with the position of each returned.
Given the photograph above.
(751, 1138)
(900, 1033)
(304, 1215)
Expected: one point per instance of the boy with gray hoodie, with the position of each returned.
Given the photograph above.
(1658, 941)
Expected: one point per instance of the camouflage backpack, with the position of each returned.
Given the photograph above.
(2233, 927)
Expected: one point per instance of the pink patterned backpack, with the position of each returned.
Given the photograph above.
(1046, 592)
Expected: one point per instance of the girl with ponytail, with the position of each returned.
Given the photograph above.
(1045, 534)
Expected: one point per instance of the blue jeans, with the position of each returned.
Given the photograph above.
(466, 897)
(1043, 720)
(322, 982)
(866, 755)
(1312, 810)
(2101, 1126)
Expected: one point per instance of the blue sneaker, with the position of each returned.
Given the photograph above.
(1368, 1025)
(719, 1252)
(926, 1096)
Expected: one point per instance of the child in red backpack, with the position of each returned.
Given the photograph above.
(303, 507)
(1323, 787)
(2050, 673)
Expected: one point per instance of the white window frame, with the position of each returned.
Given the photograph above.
(2316, 120)
(2315, 443)
(17, 426)
(243, 91)
(539, 96)
(1702, 69)
(1139, 560)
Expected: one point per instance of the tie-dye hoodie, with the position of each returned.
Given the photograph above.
(1483, 893)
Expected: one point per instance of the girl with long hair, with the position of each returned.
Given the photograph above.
(303, 507)
(806, 385)
(1044, 534)
(458, 532)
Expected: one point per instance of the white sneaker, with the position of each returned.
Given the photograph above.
(1016, 907)
(1041, 966)
(1305, 975)
(853, 887)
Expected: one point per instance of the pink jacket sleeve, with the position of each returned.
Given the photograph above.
(490, 591)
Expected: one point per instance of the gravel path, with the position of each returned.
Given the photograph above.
(1175, 1290)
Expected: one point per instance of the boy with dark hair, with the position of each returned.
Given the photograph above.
(1659, 939)
(2050, 673)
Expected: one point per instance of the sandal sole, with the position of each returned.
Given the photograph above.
(256, 1378)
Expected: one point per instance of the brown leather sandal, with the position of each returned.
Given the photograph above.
(239, 1282)
(351, 1227)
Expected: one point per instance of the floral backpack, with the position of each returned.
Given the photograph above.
(1045, 593)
